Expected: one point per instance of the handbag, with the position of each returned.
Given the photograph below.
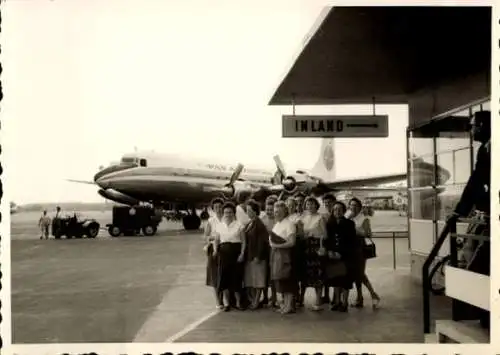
(369, 249)
(335, 268)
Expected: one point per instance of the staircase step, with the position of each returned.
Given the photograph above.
(430, 338)
(467, 286)
(463, 332)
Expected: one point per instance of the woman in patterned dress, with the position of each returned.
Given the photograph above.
(314, 231)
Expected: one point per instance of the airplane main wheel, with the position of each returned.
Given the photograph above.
(149, 230)
(191, 222)
(114, 231)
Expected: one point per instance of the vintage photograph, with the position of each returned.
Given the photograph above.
(283, 171)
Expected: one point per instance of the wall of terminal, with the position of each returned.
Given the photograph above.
(438, 139)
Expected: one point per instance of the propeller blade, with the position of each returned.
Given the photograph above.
(82, 181)
(236, 174)
(279, 165)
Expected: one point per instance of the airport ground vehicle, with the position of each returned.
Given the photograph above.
(72, 226)
(132, 220)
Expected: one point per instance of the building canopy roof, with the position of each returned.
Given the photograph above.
(386, 53)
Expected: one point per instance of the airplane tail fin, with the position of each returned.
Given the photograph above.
(325, 166)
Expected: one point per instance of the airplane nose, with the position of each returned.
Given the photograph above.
(99, 175)
(102, 182)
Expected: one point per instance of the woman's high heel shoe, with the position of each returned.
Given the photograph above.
(358, 304)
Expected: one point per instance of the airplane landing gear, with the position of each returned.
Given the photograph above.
(204, 215)
(191, 221)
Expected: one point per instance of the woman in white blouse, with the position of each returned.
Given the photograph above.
(363, 230)
(314, 234)
(282, 240)
(212, 277)
(231, 251)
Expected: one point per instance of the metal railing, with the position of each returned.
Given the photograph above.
(393, 235)
(450, 228)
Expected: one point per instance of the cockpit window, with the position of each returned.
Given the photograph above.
(128, 160)
(143, 162)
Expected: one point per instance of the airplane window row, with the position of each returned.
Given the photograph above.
(143, 163)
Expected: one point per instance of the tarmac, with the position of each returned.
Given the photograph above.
(152, 289)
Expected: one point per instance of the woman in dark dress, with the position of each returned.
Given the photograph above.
(343, 245)
(212, 262)
(298, 260)
(257, 245)
(268, 220)
(300, 263)
(363, 230)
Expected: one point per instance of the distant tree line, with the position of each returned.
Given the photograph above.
(66, 206)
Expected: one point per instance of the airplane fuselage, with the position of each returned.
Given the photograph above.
(190, 185)
(178, 182)
(157, 178)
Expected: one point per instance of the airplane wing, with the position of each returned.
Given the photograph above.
(353, 184)
(360, 183)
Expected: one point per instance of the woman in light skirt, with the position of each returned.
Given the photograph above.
(282, 241)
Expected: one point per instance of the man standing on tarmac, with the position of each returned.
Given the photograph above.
(44, 224)
(56, 222)
(476, 194)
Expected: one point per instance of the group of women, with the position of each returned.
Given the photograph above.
(286, 249)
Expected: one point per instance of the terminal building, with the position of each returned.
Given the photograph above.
(437, 60)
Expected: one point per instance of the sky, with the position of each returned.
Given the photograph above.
(86, 81)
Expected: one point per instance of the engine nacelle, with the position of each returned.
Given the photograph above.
(117, 196)
(289, 183)
(231, 191)
(228, 190)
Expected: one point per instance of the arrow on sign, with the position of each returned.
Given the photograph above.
(362, 125)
